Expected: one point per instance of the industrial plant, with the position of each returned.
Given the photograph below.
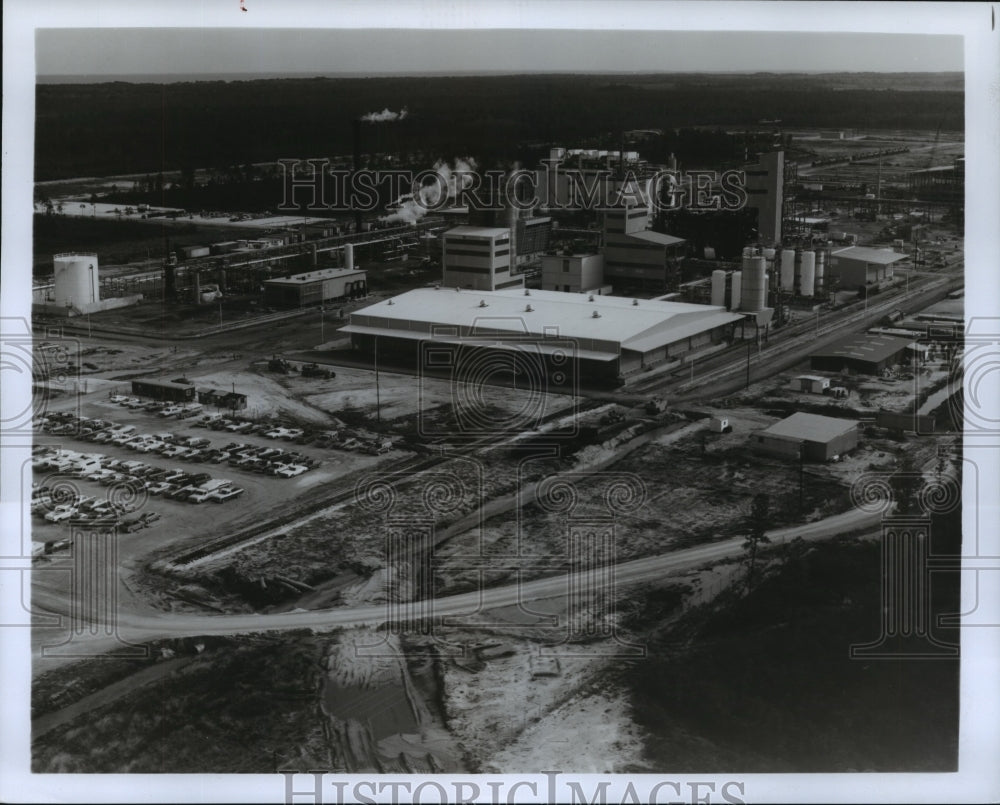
(568, 416)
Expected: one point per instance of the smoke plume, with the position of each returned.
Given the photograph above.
(413, 206)
(385, 116)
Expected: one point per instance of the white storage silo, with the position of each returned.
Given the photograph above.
(769, 254)
(807, 281)
(718, 287)
(754, 292)
(787, 269)
(349, 256)
(736, 291)
(76, 279)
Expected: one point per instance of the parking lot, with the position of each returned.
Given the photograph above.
(148, 470)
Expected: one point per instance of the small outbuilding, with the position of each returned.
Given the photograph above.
(809, 436)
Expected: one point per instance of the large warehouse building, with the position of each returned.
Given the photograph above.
(315, 287)
(819, 438)
(866, 354)
(611, 337)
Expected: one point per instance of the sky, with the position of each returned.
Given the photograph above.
(164, 51)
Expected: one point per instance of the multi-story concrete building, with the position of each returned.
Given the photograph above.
(574, 273)
(635, 258)
(765, 182)
(479, 258)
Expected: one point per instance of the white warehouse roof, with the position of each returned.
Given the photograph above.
(638, 325)
(867, 255)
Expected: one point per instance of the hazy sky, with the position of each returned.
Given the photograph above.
(146, 51)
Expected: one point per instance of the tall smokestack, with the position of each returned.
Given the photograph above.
(357, 166)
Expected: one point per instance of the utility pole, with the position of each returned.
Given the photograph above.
(378, 397)
(322, 337)
(802, 474)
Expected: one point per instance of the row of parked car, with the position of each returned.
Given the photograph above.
(136, 476)
(274, 461)
(162, 409)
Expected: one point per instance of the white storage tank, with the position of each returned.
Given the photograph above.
(788, 270)
(736, 291)
(76, 279)
(718, 287)
(349, 256)
(754, 292)
(807, 281)
(820, 270)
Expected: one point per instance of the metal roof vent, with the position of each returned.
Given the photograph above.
(527, 292)
(590, 298)
(528, 309)
(482, 303)
(391, 302)
(635, 303)
(595, 315)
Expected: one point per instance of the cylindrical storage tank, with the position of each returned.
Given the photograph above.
(754, 294)
(718, 287)
(76, 279)
(820, 271)
(748, 251)
(807, 281)
(737, 290)
(769, 254)
(349, 256)
(788, 269)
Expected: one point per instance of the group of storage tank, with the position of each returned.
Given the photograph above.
(802, 270)
(806, 265)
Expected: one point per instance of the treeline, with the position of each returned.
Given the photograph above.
(119, 127)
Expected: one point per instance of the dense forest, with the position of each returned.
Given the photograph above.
(120, 127)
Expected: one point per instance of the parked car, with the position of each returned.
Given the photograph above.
(223, 495)
(60, 513)
(160, 488)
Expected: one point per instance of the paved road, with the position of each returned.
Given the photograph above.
(140, 628)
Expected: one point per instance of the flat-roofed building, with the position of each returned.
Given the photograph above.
(636, 258)
(859, 266)
(478, 258)
(610, 337)
(866, 353)
(315, 287)
(808, 436)
(573, 273)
